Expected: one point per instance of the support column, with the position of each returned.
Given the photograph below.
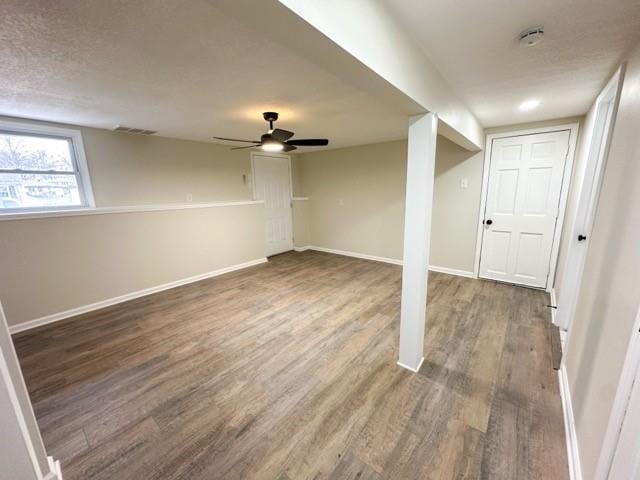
(421, 159)
(22, 453)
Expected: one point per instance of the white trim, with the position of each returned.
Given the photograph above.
(563, 341)
(573, 454)
(393, 261)
(483, 206)
(623, 393)
(414, 370)
(73, 134)
(55, 472)
(451, 271)
(564, 192)
(13, 384)
(299, 199)
(124, 209)
(554, 304)
(55, 317)
(364, 256)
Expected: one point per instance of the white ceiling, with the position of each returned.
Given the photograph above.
(191, 70)
(185, 69)
(475, 46)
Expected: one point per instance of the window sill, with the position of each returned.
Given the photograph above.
(82, 211)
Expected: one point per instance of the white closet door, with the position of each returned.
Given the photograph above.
(272, 183)
(523, 198)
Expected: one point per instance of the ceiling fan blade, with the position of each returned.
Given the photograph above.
(287, 148)
(236, 140)
(282, 135)
(247, 146)
(309, 142)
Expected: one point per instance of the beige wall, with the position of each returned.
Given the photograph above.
(131, 169)
(54, 264)
(356, 200)
(128, 169)
(609, 297)
(454, 225)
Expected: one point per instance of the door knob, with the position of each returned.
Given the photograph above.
(582, 238)
(488, 222)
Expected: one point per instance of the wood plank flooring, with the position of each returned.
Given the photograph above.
(288, 371)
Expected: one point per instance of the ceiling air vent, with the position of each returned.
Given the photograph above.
(139, 131)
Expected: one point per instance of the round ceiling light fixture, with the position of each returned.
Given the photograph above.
(529, 105)
(532, 36)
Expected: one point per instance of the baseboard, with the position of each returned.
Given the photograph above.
(54, 470)
(451, 271)
(573, 455)
(56, 317)
(414, 370)
(433, 268)
(563, 340)
(554, 303)
(364, 256)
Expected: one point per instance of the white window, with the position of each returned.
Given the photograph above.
(42, 168)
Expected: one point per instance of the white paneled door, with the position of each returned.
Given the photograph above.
(522, 206)
(272, 183)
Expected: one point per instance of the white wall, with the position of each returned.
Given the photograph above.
(22, 453)
(368, 30)
(609, 298)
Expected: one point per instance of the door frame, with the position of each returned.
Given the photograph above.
(629, 375)
(253, 182)
(597, 153)
(564, 192)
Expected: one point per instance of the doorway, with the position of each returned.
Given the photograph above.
(272, 184)
(524, 196)
(580, 231)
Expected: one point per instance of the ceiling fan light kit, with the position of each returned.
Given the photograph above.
(277, 140)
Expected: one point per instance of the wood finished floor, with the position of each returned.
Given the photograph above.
(288, 371)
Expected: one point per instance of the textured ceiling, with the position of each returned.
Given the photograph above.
(475, 46)
(191, 70)
(185, 69)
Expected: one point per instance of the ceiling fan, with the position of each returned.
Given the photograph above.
(277, 140)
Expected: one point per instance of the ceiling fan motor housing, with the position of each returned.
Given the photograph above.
(270, 116)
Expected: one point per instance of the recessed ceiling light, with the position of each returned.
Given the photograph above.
(529, 105)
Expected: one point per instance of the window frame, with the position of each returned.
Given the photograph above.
(81, 169)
